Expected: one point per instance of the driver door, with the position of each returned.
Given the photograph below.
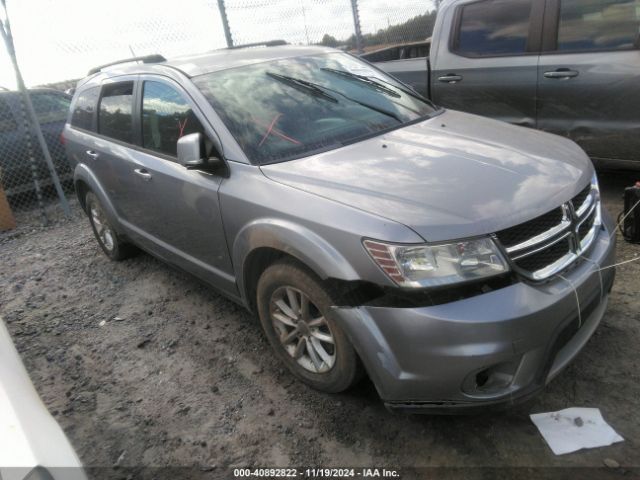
(179, 215)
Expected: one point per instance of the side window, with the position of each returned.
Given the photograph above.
(166, 116)
(115, 115)
(7, 122)
(50, 107)
(598, 25)
(493, 27)
(84, 108)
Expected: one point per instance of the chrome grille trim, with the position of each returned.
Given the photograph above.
(564, 224)
(547, 244)
(555, 267)
(541, 247)
(588, 202)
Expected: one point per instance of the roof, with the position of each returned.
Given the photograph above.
(213, 61)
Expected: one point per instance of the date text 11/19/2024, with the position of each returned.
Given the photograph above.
(315, 473)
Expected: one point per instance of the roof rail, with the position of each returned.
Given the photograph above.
(270, 43)
(144, 59)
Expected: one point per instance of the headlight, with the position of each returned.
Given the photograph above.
(436, 265)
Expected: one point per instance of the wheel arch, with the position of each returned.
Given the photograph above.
(266, 241)
(84, 182)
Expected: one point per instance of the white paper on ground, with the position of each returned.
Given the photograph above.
(565, 435)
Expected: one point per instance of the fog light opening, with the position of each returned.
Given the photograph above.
(482, 378)
(491, 380)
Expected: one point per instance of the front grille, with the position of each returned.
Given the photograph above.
(580, 198)
(544, 258)
(536, 247)
(587, 224)
(523, 232)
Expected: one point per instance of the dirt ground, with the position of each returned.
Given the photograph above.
(144, 366)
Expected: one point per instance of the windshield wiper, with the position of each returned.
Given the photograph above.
(409, 91)
(367, 81)
(303, 86)
(321, 91)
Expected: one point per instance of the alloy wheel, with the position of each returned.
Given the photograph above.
(303, 330)
(105, 234)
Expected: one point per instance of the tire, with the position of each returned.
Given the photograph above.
(339, 366)
(110, 242)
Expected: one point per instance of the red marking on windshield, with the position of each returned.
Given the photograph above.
(274, 131)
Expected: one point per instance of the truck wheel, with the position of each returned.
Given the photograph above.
(110, 242)
(295, 314)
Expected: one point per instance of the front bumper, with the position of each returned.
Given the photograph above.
(493, 349)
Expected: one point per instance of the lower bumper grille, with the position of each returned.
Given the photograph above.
(546, 245)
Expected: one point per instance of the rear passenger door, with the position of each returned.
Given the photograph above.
(111, 151)
(589, 75)
(487, 65)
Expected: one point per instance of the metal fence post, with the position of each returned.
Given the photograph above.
(356, 24)
(5, 31)
(225, 23)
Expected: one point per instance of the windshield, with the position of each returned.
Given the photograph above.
(292, 108)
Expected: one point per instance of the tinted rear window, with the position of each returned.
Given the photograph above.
(115, 116)
(84, 108)
(494, 27)
(598, 24)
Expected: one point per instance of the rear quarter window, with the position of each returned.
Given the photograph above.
(84, 108)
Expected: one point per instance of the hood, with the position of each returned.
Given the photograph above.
(453, 176)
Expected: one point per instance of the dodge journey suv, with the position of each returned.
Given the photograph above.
(457, 261)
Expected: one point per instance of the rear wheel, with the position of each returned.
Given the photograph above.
(108, 239)
(295, 314)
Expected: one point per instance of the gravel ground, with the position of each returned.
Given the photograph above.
(143, 365)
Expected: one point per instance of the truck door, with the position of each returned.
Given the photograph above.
(589, 76)
(485, 58)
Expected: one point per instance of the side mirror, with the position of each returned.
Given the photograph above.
(192, 153)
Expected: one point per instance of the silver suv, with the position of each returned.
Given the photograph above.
(456, 260)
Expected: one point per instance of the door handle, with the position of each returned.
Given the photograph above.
(450, 78)
(93, 154)
(561, 74)
(146, 176)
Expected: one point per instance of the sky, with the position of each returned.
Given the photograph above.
(62, 39)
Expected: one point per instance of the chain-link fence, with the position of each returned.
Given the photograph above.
(25, 180)
(120, 29)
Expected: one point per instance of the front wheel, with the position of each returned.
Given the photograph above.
(295, 314)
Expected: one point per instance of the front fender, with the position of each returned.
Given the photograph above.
(293, 239)
(83, 174)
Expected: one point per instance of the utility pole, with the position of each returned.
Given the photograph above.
(225, 23)
(356, 24)
(5, 32)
